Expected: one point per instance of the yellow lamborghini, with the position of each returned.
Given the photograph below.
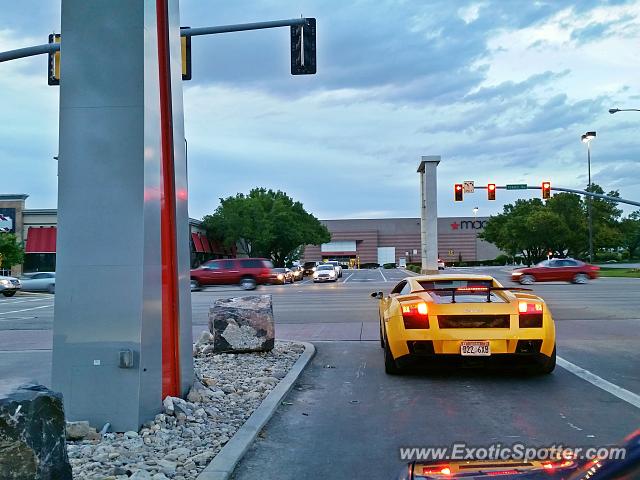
(466, 318)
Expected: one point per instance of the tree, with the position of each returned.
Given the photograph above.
(520, 229)
(605, 216)
(630, 231)
(265, 223)
(571, 209)
(11, 251)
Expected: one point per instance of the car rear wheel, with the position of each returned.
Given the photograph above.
(547, 365)
(51, 288)
(580, 278)
(390, 366)
(9, 294)
(195, 285)
(527, 279)
(248, 283)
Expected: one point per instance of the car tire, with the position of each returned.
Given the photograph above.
(195, 285)
(9, 294)
(581, 278)
(390, 366)
(546, 366)
(51, 288)
(527, 280)
(248, 283)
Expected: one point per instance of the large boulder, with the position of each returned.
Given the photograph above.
(32, 435)
(242, 324)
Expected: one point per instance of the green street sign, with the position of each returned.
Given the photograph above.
(517, 186)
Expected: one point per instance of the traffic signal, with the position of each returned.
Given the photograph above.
(457, 192)
(303, 48)
(185, 50)
(546, 190)
(53, 76)
(491, 191)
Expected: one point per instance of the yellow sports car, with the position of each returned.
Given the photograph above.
(464, 318)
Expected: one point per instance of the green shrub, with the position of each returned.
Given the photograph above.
(389, 265)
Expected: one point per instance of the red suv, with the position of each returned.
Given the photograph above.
(246, 272)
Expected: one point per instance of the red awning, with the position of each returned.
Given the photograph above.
(41, 240)
(205, 243)
(197, 243)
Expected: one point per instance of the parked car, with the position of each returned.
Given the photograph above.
(325, 273)
(9, 285)
(309, 267)
(297, 272)
(281, 276)
(246, 272)
(556, 269)
(441, 264)
(336, 265)
(39, 282)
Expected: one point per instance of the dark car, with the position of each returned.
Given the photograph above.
(309, 267)
(246, 272)
(281, 276)
(556, 270)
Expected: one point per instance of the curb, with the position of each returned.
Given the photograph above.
(224, 463)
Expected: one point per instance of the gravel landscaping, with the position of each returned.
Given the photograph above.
(180, 442)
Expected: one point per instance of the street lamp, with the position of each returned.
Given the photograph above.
(586, 138)
(616, 110)
(475, 212)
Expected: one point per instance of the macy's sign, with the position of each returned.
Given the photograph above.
(468, 225)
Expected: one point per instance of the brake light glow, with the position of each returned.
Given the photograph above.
(560, 464)
(415, 309)
(414, 315)
(502, 472)
(436, 470)
(529, 308)
(472, 289)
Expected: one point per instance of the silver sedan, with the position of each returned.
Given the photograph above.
(39, 282)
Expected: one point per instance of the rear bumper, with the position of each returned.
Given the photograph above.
(501, 360)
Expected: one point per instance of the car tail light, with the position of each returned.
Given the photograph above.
(495, 473)
(528, 308)
(436, 470)
(530, 315)
(415, 315)
(557, 464)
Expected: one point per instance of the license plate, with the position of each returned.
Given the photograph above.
(480, 348)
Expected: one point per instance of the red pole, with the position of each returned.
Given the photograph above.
(170, 315)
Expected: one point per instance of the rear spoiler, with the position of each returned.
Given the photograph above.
(478, 289)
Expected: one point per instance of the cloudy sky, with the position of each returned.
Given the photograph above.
(501, 89)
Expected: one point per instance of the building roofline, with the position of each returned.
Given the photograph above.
(13, 196)
(40, 211)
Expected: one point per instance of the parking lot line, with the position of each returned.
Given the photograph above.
(26, 309)
(592, 378)
(348, 277)
(383, 277)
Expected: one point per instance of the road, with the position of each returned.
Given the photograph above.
(346, 415)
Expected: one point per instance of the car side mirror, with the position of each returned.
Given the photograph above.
(377, 295)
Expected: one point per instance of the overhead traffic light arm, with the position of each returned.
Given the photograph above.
(570, 190)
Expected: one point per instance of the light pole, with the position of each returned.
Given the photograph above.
(586, 138)
(475, 212)
(616, 110)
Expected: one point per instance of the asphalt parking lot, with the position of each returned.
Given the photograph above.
(345, 414)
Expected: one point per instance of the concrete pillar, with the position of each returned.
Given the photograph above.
(117, 289)
(428, 170)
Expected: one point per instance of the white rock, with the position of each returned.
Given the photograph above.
(168, 405)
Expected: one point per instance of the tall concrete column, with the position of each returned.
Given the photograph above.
(428, 170)
(122, 283)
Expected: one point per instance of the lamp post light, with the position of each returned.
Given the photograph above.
(475, 212)
(587, 138)
(616, 110)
